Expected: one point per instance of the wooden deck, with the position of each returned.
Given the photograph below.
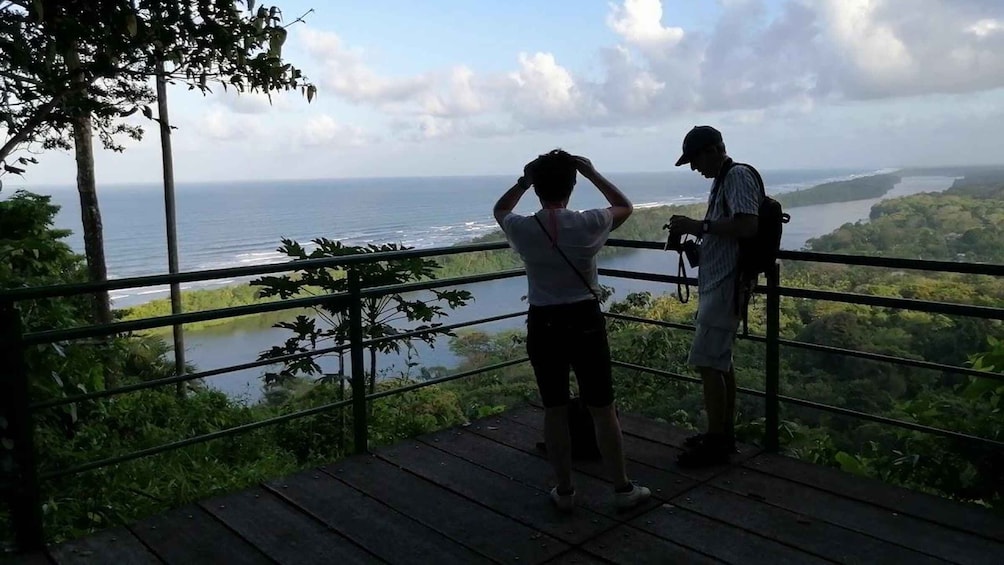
(477, 494)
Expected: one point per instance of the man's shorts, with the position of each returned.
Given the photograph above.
(717, 323)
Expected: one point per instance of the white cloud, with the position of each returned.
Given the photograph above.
(793, 59)
(323, 130)
(250, 102)
(639, 22)
(544, 90)
(221, 125)
(986, 27)
(345, 73)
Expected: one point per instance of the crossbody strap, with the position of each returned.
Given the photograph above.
(567, 260)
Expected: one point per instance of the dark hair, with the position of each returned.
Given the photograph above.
(553, 175)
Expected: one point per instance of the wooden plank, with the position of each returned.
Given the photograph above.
(719, 540)
(655, 454)
(661, 432)
(577, 557)
(384, 532)
(281, 531)
(116, 545)
(506, 496)
(634, 547)
(664, 484)
(907, 531)
(36, 558)
(592, 493)
(462, 520)
(189, 535)
(967, 517)
(790, 528)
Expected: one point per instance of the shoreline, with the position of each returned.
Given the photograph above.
(840, 207)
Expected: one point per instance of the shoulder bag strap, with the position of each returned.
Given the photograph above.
(567, 260)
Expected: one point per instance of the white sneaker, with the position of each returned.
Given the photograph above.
(564, 502)
(631, 498)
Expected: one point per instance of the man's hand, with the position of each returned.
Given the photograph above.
(684, 225)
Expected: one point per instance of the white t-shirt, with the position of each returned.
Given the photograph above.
(580, 235)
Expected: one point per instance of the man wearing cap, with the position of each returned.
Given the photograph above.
(733, 206)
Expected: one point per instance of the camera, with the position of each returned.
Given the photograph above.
(688, 247)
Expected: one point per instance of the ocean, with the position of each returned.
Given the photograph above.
(241, 223)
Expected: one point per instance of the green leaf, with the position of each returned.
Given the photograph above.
(311, 91)
(849, 463)
(37, 6)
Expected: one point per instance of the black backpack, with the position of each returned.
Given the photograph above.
(758, 253)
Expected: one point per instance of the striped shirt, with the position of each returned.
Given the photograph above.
(738, 193)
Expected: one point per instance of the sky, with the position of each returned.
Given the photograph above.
(460, 87)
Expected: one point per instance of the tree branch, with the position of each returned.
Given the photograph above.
(28, 129)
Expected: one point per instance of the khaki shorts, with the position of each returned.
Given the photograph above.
(717, 323)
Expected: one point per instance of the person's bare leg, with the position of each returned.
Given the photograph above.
(611, 443)
(559, 445)
(714, 399)
(730, 402)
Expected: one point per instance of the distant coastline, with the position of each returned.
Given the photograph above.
(641, 226)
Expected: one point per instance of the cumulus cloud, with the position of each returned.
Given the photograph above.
(221, 125)
(792, 58)
(345, 73)
(324, 131)
(249, 102)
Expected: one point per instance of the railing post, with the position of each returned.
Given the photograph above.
(359, 424)
(18, 434)
(773, 360)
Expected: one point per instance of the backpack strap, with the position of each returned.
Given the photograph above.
(567, 260)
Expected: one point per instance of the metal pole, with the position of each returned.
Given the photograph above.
(773, 360)
(18, 434)
(359, 425)
(169, 212)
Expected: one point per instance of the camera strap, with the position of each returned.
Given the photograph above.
(567, 260)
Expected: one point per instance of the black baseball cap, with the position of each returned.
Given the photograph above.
(698, 139)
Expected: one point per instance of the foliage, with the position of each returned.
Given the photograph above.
(380, 314)
(861, 188)
(62, 59)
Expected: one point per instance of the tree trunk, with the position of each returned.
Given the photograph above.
(90, 215)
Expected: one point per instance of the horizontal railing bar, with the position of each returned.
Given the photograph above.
(21, 294)
(889, 421)
(183, 378)
(985, 312)
(441, 329)
(53, 336)
(149, 452)
(660, 323)
(918, 363)
(678, 376)
(653, 277)
(377, 291)
(444, 379)
(990, 269)
(119, 459)
(100, 330)
(636, 244)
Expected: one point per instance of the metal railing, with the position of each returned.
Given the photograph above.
(25, 500)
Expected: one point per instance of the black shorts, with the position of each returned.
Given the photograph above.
(570, 336)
